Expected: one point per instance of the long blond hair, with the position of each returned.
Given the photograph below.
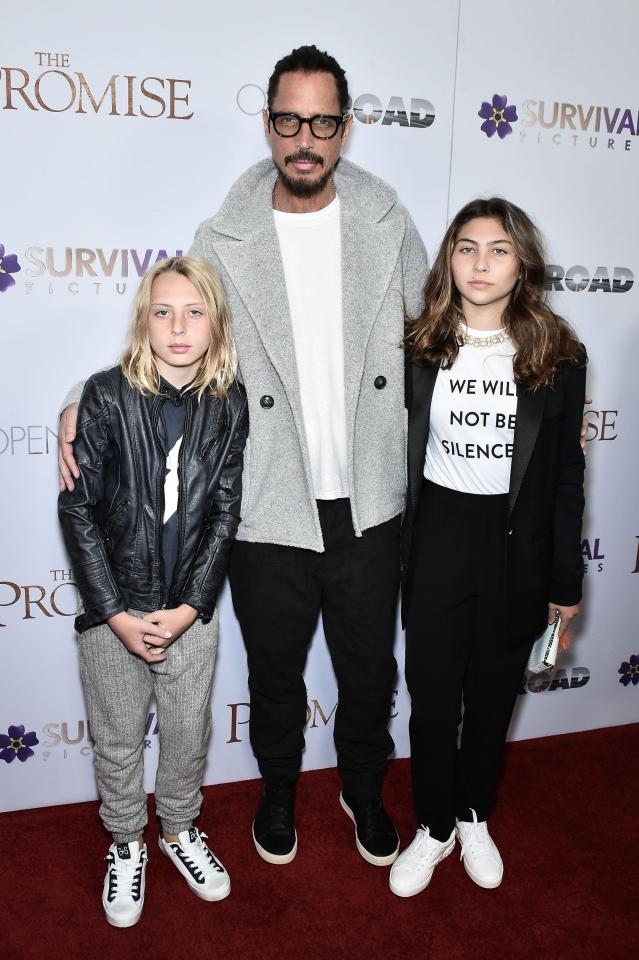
(543, 340)
(218, 366)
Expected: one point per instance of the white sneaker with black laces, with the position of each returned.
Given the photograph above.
(123, 893)
(201, 869)
(482, 861)
(411, 872)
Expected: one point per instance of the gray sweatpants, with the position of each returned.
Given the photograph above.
(118, 688)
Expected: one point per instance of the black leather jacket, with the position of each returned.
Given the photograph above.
(112, 521)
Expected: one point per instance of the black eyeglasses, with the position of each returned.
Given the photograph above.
(323, 126)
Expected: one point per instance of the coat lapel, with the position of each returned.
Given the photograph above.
(369, 255)
(530, 410)
(256, 271)
(422, 386)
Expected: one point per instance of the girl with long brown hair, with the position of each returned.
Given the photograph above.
(491, 536)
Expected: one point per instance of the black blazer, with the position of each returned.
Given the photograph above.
(545, 499)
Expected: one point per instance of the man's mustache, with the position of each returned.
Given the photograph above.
(304, 156)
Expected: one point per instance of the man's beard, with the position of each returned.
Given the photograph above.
(302, 186)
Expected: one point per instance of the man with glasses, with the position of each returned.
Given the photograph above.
(319, 261)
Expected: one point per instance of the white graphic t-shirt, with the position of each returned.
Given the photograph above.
(472, 420)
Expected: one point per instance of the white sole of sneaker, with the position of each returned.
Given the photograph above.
(210, 896)
(122, 921)
(491, 885)
(413, 891)
(369, 857)
(274, 857)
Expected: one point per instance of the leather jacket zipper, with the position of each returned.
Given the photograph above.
(112, 518)
(181, 498)
(221, 426)
(159, 496)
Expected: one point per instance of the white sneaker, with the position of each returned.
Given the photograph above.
(411, 872)
(203, 872)
(482, 861)
(123, 893)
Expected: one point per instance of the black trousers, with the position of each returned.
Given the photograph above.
(457, 655)
(278, 593)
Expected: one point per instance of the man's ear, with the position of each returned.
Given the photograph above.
(266, 122)
(346, 128)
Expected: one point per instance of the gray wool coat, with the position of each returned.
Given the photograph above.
(383, 274)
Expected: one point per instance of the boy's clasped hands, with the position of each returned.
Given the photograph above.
(149, 636)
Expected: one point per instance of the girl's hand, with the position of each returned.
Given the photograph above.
(567, 615)
(585, 423)
(172, 623)
(143, 639)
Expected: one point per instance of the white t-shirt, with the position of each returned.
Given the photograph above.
(311, 247)
(472, 420)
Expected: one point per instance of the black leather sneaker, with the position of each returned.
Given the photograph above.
(274, 828)
(375, 834)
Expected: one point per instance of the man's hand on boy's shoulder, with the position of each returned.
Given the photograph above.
(67, 467)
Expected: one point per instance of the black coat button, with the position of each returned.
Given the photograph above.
(266, 402)
(380, 383)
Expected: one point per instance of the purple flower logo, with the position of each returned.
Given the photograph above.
(17, 743)
(497, 116)
(8, 265)
(629, 671)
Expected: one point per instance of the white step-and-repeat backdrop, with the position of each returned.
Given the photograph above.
(121, 128)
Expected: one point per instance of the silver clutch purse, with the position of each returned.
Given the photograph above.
(544, 652)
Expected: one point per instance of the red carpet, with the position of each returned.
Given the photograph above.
(566, 823)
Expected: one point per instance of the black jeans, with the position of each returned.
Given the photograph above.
(278, 593)
(457, 653)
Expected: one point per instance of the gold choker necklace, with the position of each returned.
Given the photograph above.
(500, 336)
